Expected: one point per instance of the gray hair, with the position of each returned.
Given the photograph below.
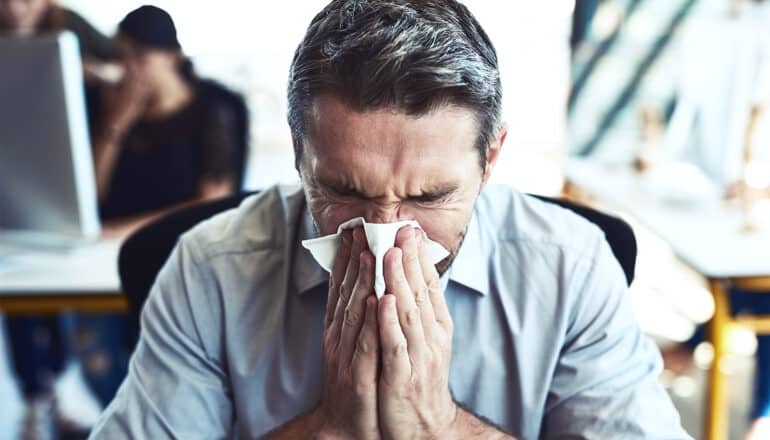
(414, 56)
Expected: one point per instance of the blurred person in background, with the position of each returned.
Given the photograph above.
(163, 137)
(40, 346)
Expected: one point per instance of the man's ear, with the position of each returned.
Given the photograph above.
(493, 153)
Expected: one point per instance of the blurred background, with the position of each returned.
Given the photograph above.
(653, 110)
(249, 46)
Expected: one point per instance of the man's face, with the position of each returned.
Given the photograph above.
(387, 166)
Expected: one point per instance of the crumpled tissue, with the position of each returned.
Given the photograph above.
(380, 236)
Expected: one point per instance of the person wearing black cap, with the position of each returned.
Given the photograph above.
(164, 137)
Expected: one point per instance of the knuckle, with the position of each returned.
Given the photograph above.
(344, 297)
(363, 346)
(433, 284)
(352, 317)
(398, 350)
(421, 296)
(344, 287)
(412, 317)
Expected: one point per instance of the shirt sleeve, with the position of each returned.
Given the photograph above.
(605, 384)
(176, 386)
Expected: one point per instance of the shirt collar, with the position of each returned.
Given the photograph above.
(471, 265)
(469, 268)
(307, 273)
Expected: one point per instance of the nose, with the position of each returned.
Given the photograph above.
(384, 213)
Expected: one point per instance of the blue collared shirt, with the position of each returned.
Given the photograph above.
(545, 341)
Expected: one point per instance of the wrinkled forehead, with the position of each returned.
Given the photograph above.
(333, 127)
(388, 148)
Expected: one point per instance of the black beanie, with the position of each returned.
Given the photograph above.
(150, 26)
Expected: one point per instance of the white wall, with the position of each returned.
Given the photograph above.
(249, 44)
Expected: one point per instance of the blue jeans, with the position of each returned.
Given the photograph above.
(41, 346)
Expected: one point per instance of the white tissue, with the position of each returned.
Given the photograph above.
(380, 236)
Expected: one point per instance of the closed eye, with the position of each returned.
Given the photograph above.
(342, 191)
(427, 198)
(433, 197)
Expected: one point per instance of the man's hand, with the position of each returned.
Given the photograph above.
(409, 397)
(416, 342)
(348, 408)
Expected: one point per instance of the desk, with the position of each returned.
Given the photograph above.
(84, 278)
(707, 236)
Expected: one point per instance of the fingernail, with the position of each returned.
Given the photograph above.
(417, 233)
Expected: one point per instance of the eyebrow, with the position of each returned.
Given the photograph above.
(435, 192)
(339, 186)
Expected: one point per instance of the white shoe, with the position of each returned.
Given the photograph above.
(40, 419)
(77, 404)
(760, 429)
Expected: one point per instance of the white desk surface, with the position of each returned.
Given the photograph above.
(86, 269)
(706, 235)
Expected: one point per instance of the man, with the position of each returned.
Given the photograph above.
(524, 331)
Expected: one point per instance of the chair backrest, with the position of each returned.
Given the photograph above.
(144, 253)
(618, 233)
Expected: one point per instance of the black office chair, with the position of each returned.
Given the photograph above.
(144, 253)
(619, 234)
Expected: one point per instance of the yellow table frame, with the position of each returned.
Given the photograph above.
(717, 412)
(716, 420)
(47, 303)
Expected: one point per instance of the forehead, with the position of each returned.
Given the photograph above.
(387, 148)
(335, 128)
